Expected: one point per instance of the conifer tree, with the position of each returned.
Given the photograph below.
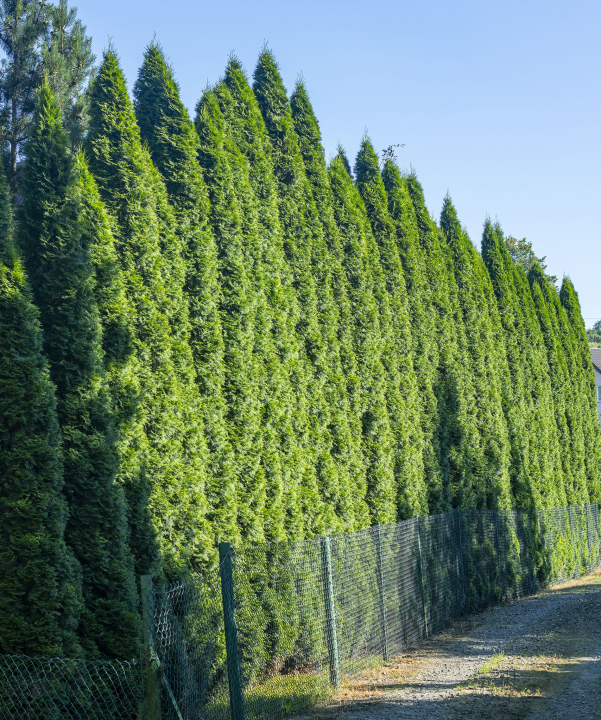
(154, 272)
(57, 253)
(404, 407)
(237, 310)
(285, 377)
(571, 440)
(338, 314)
(423, 320)
(584, 381)
(40, 585)
(534, 466)
(490, 486)
(356, 236)
(307, 255)
(122, 365)
(173, 144)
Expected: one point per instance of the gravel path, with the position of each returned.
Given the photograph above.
(538, 658)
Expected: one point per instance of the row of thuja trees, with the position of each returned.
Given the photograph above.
(208, 333)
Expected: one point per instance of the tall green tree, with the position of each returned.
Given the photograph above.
(237, 310)
(571, 439)
(423, 320)
(338, 314)
(173, 144)
(404, 407)
(154, 271)
(359, 251)
(57, 253)
(307, 256)
(453, 389)
(489, 487)
(535, 470)
(68, 62)
(285, 366)
(40, 586)
(38, 38)
(584, 383)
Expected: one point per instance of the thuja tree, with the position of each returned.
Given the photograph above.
(453, 388)
(307, 255)
(338, 314)
(122, 365)
(154, 271)
(356, 236)
(423, 320)
(40, 586)
(237, 308)
(404, 407)
(571, 440)
(173, 144)
(530, 416)
(285, 377)
(489, 486)
(584, 380)
(57, 252)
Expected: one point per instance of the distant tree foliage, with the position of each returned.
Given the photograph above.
(522, 253)
(208, 333)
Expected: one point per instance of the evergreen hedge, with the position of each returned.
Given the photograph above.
(210, 333)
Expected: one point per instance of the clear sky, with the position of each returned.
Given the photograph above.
(496, 102)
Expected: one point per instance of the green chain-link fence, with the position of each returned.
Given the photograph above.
(276, 628)
(55, 689)
(310, 615)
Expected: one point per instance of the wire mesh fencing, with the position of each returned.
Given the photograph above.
(55, 689)
(276, 629)
(313, 614)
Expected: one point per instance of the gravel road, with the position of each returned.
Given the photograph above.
(538, 658)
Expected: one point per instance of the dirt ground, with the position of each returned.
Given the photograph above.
(538, 658)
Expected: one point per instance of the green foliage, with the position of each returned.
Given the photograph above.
(337, 312)
(237, 310)
(583, 379)
(57, 252)
(307, 255)
(283, 381)
(488, 483)
(40, 585)
(404, 407)
(535, 469)
(454, 391)
(154, 272)
(40, 39)
(357, 242)
(571, 439)
(522, 254)
(423, 324)
(173, 145)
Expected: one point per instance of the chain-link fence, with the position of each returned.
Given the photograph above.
(275, 629)
(310, 615)
(56, 689)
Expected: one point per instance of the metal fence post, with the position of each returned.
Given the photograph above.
(459, 518)
(421, 575)
(234, 671)
(381, 592)
(151, 667)
(330, 604)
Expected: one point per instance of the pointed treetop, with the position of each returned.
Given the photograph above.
(270, 91)
(49, 165)
(343, 157)
(305, 120)
(112, 118)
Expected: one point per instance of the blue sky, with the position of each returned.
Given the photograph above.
(496, 102)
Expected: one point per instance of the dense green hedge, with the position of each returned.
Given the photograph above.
(227, 338)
